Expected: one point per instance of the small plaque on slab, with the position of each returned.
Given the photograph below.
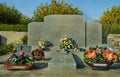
(100, 64)
(18, 67)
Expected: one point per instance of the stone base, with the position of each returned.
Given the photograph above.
(62, 61)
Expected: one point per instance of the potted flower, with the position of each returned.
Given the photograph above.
(100, 56)
(68, 44)
(37, 54)
(19, 61)
(41, 43)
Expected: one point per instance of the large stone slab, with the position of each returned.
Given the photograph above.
(62, 61)
(55, 27)
(94, 34)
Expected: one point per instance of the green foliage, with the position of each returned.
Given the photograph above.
(9, 48)
(24, 39)
(6, 27)
(10, 15)
(109, 29)
(111, 16)
(111, 21)
(54, 8)
(25, 20)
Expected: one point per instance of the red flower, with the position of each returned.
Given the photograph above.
(108, 54)
(90, 54)
(38, 51)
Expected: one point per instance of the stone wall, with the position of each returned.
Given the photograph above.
(114, 39)
(11, 36)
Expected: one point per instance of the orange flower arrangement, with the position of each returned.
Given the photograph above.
(108, 55)
(100, 54)
(90, 54)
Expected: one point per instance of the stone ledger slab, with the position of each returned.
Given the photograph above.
(62, 61)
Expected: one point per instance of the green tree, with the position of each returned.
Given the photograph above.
(111, 20)
(25, 20)
(9, 15)
(111, 16)
(55, 8)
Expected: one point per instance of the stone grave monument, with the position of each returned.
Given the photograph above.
(56, 27)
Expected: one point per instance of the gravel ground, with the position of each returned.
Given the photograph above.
(40, 70)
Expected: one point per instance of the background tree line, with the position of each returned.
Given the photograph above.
(10, 15)
(110, 19)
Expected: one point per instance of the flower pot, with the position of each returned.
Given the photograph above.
(38, 57)
(10, 66)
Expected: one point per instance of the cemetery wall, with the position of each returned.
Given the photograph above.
(11, 36)
(114, 39)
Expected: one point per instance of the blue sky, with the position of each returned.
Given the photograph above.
(92, 9)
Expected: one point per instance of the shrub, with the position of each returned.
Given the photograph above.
(24, 39)
(9, 48)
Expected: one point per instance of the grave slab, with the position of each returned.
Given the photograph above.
(62, 61)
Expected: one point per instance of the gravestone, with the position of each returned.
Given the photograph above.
(94, 34)
(25, 48)
(55, 27)
(62, 61)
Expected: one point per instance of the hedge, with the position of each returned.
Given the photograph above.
(19, 28)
